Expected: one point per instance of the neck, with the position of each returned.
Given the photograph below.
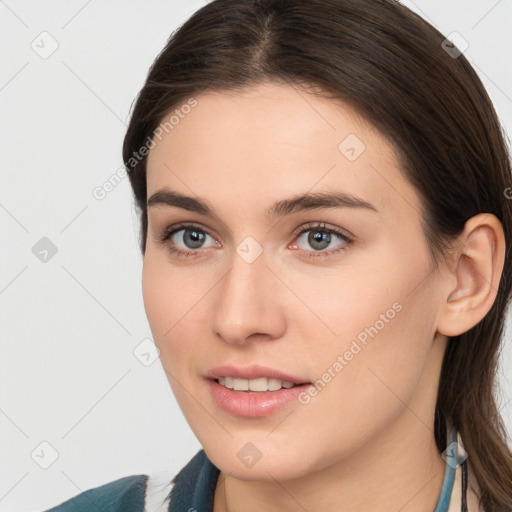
(385, 476)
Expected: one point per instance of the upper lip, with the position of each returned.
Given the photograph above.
(252, 372)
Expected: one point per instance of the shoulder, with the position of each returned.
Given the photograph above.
(150, 493)
(134, 493)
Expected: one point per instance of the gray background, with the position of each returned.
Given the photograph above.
(68, 373)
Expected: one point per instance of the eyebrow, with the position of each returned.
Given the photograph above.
(302, 202)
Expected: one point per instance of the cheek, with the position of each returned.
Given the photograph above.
(167, 293)
(381, 293)
(163, 309)
(370, 326)
(341, 303)
(370, 372)
(176, 302)
(158, 302)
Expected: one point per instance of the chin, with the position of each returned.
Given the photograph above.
(258, 461)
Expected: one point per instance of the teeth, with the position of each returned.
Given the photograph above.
(262, 384)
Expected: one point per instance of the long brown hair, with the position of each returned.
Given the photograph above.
(395, 69)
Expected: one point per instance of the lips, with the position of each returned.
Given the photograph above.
(253, 372)
(254, 404)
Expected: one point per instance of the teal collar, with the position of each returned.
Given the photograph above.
(443, 503)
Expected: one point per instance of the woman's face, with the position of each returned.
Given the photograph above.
(355, 312)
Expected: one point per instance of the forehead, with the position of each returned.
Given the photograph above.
(269, 141)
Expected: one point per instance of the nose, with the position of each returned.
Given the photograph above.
(248, 305)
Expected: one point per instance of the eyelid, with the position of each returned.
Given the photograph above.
(324, 226)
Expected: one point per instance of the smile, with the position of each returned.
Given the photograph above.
(259, 385)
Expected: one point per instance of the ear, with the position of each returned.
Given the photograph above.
(473, 279)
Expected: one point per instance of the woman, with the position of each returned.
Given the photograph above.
(324, 193)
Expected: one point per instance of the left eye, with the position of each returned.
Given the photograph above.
(320, 238)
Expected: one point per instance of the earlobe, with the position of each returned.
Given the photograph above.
(476, 270)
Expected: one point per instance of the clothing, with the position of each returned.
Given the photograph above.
(192, 490)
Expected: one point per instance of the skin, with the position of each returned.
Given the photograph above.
(366, 441)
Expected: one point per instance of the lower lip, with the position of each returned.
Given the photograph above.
(253, 404)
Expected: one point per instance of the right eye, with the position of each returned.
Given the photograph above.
(190, 236)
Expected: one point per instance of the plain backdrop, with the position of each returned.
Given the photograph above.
(78, 408)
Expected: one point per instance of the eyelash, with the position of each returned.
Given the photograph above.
(314, 226)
